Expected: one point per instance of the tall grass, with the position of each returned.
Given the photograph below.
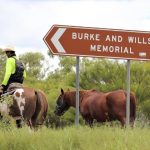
(75, 138)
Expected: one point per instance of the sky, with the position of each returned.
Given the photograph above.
(24, 23)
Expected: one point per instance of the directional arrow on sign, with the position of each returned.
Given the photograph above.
(55, 40)
(98, 42)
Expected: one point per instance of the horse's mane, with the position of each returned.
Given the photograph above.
(82, 93)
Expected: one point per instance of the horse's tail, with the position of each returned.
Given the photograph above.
(41, 108)
(132, 106)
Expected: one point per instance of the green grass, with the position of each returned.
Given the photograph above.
(75, 138)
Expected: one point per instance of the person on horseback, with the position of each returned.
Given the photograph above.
(14, 71)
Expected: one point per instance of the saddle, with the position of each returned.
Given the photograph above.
(14, 86)
(11, 89)
(6, 97)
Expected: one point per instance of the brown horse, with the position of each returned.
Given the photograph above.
(97, 105)
(28, 104)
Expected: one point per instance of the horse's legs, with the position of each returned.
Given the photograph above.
(29, 123)
(132, 122)
(122, 120)
(89, 121)
(18, 123)
(1, 116)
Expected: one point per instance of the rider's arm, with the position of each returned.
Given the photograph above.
(10, 69)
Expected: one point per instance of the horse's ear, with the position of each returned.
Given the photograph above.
(68, 90)
(62, 91)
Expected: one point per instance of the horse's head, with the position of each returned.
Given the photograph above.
(61, 104)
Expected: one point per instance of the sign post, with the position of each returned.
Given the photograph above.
(99, 42)
(128, 94)
(77, 90)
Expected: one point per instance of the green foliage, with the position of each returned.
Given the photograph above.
(34, 62)
(145, 108)
(102, 74)
(67, 63)
(7, 99)
(7, 123)
(140, 79)
(76, 138)
(2, 64)
(96, 73)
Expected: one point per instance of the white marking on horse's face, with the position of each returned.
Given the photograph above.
(4, 109)
(18, 96)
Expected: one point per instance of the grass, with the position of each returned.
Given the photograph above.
(75, 138)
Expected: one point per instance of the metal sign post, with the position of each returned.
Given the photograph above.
(128, 94)
(77, 91)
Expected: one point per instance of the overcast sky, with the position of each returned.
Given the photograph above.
(24, 23)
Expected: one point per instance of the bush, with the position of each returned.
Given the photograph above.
(145, 108)
(6, 122)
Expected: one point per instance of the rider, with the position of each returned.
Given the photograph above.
(15, 71)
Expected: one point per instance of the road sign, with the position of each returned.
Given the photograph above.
(98, 42)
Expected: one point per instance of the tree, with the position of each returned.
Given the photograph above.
(140, 79)
(34, 64)
(2, 64)
(102, 74)
(67, 64)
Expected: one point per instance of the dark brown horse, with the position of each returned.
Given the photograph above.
(97, 105)
(28, 104)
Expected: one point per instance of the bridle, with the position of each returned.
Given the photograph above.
(62, 106)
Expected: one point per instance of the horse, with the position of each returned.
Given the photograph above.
(28, 105)
(97, 105)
